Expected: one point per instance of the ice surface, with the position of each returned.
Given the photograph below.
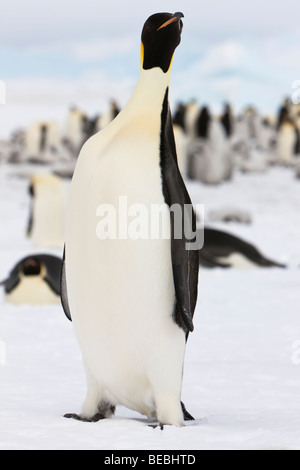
(242, 368)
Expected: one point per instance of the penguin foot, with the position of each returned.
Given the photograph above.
(154, 426)
(77, 417)
(186, 415)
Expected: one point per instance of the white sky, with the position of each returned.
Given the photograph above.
(32, 22)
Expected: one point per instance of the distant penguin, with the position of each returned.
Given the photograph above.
(267, 137)
(41, 141)
(227, 120)
(222, 249)
(181, 138)
(297, 143)
(283, 112)
(76, 129)
(13, 150)
(240, 141)
(210, 159)
(286, 142)
(181, 148)
(110, 115)
(47, 212)
(179, 116)
(197, 159)
(34, 280)
(132, 299)
(203, 123)
(190, 119)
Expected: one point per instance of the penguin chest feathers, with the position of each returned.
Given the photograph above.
(121, 161)
(124, 157)
(123, 288)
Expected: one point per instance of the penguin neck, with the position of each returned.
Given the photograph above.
(150, 90)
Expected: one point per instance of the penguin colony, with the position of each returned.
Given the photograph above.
(211, 148)
(194, 145)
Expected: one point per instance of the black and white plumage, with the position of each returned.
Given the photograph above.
(47, 212)
(225, 250)
(210, 156)
(34, 280)
(132, 300)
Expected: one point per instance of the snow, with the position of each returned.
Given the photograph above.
(242, 371)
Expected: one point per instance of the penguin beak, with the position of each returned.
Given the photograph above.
(175, 17)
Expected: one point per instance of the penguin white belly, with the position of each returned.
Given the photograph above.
(286, 143)
(32, 290)
(237, 260)
(121, 291)
(49, 211)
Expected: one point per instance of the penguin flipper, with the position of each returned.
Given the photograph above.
(30, 219)
(12, 281)
(63, 290)
(185, 261)
(53, 268)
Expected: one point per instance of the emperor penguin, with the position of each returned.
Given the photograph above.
(210, 157)
(34, 280)
(286, 142)
(132, 299)
(47, 213)
(75, 129)
(191, 116)
(42, 141)
(108, 116)
(227, 120)
(225, 250)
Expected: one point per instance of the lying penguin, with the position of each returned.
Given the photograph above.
(221, 249)
(34, 280)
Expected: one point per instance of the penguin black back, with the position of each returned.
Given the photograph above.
(203, 123)
(219, 244)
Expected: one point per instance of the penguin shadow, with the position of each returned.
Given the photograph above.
(156, 425)
(153, 423)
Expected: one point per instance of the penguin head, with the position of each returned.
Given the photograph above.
(160, 36)
(31, 267)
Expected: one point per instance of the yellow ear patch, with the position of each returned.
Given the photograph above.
(171, 63)
(142, 54)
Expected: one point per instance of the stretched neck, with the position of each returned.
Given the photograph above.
(150, 89)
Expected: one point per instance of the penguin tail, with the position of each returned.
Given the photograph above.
(265, 262)
(186, 415)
